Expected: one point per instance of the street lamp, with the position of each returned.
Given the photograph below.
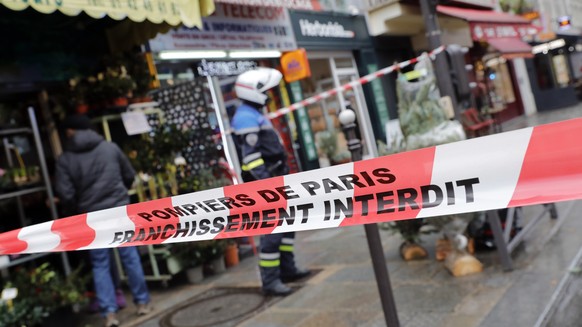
(347, 118)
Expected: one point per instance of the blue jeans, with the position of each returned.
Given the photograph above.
(104, 287)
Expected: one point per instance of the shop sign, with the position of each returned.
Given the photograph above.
(295, 65)
(531, 15)
(225, 68)
(327, 30)
(485, 31)
(291, 4)
(233, 27)
(564, 23)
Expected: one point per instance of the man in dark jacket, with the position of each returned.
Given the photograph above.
(93, 174)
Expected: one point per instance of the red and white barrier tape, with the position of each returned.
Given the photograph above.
(363, 80)
(535, 165)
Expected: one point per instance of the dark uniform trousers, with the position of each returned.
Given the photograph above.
(276, 257)
(262, 156)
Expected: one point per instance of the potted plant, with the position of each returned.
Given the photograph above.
(327, 142)
(189, 257)
(112, 87)
(231, 254)
(155, 159)
(44, 297)
(213, 256)
(144, 79)
(79, 88)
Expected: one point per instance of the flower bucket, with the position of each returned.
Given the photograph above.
(195, 275)
(231, 255)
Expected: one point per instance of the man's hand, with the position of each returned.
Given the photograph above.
(55, 200)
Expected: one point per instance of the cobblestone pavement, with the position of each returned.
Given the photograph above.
(344, 291)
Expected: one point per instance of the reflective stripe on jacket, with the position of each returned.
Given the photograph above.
(258, 145)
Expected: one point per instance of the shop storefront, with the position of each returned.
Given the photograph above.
(334, 44)
(239, 38)
(47, 45)
(495, 40)
(498, 55)
(236, 38)
(552, 70)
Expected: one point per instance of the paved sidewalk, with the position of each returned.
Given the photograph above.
(344, 291)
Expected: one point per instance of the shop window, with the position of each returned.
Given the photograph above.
(329, 139)
(561, 69)
(344, 62)
(339, 5)
(544, 72)
(498, 83)
(576, 62)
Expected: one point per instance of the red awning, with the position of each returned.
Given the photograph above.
(483, 16)
(511, 47)
(488, 24)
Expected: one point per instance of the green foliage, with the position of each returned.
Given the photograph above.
(341, 157)
(517, 6)
(418, 109)
(194, 254)
(419, 113)
(155, 154)
(409, 230)
(398, 145)
(205, 179)
(212, 249)
(188, 253)
(41, 291)
(139, 71)
(25, 312)
(328, 143)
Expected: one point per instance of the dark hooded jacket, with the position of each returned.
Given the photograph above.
(92, 174)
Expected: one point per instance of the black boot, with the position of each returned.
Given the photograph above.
(297, 275)
(277, 289)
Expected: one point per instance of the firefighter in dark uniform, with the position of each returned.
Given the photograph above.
(262, 155)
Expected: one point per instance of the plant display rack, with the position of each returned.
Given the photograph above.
(6, 135)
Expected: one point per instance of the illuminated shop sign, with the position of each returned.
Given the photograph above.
(564, 23)
(487, 31)
(329, 30)
(325, 29)
(224, 68)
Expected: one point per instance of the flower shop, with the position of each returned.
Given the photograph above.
(59, 64)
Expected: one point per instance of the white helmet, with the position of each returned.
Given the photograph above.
(252, 85)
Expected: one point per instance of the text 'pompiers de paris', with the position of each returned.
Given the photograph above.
(157, 228)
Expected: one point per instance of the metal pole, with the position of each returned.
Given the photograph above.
(46, 180)
(433, 33)
(347, 117)
(222, 118)
(504, 255)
